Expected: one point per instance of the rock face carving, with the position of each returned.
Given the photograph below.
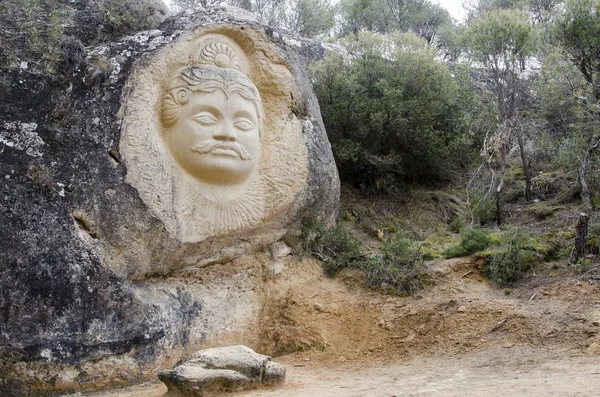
(213, 118)
(95, 288)
(217, 159)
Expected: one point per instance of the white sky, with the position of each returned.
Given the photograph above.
(454, 7)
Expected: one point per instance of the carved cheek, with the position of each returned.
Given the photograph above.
(198, 133)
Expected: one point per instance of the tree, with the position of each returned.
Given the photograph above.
(362, 15)
(501, 41)
(392, 111)
(310, 18)
(577, 32)
(421, 17)
(478, 8)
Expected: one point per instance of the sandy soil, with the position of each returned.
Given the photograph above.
(459, 337)
(500, 372)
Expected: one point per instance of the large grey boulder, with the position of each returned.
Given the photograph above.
(220, 369)
(109, 267)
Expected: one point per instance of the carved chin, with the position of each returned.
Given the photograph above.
(225, 168)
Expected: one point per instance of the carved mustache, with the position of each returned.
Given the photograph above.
(209, 146)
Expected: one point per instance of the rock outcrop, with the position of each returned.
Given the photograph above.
(118, 251)
(222, 369)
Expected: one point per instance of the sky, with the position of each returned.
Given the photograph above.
(455, 8)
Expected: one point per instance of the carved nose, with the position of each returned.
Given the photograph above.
(225, 133)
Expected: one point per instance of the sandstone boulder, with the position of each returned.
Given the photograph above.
(121, 248)
(222, 369)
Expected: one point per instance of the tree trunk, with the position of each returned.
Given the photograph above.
(578, 250)
(526, 170)
(583, 169)
(582, 225)
(499, 192)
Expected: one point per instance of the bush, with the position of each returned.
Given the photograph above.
(130, 16)
(517, 252)
(397, 268)
(482, 199)
(471, 241)
(393, 112)
(593, 243)
(336, 247)
(30, 33)
(48, 35)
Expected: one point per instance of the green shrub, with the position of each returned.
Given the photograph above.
(456, 224)
(593, 243)
(482, 204)
(336, 247)
(471, 241)
(122, 17)
(393, 114)
(559, 243)
(542, 211)
(516, 253)
(584, 264)
(398, 268)
(30, 33)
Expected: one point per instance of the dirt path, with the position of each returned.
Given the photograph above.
(458, 337)
(498, 372)
(504, 372)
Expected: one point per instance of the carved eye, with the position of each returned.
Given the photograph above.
(205, 118)
(242, 123)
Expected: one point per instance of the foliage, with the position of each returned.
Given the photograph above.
(424, 18)
(30, 32)
(593, 243)
(125, 17)
(517, 252)
(392, 111)
(500, 41)
(481, 199)
(336, 247)
(478, 8)
(308, 18)
(45, 36)
(398, 267)
(471, 240)
(556, 91)
(559, 244)
(577, 31)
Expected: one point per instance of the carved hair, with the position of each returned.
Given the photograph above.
(206, 79)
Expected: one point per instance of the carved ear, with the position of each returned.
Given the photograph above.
(171, 104)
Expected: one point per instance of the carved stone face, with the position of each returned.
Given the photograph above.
(216, 137)
(218, 157)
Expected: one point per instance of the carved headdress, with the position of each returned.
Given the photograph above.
(218, 67)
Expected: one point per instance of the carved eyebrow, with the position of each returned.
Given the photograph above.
(206, 108)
